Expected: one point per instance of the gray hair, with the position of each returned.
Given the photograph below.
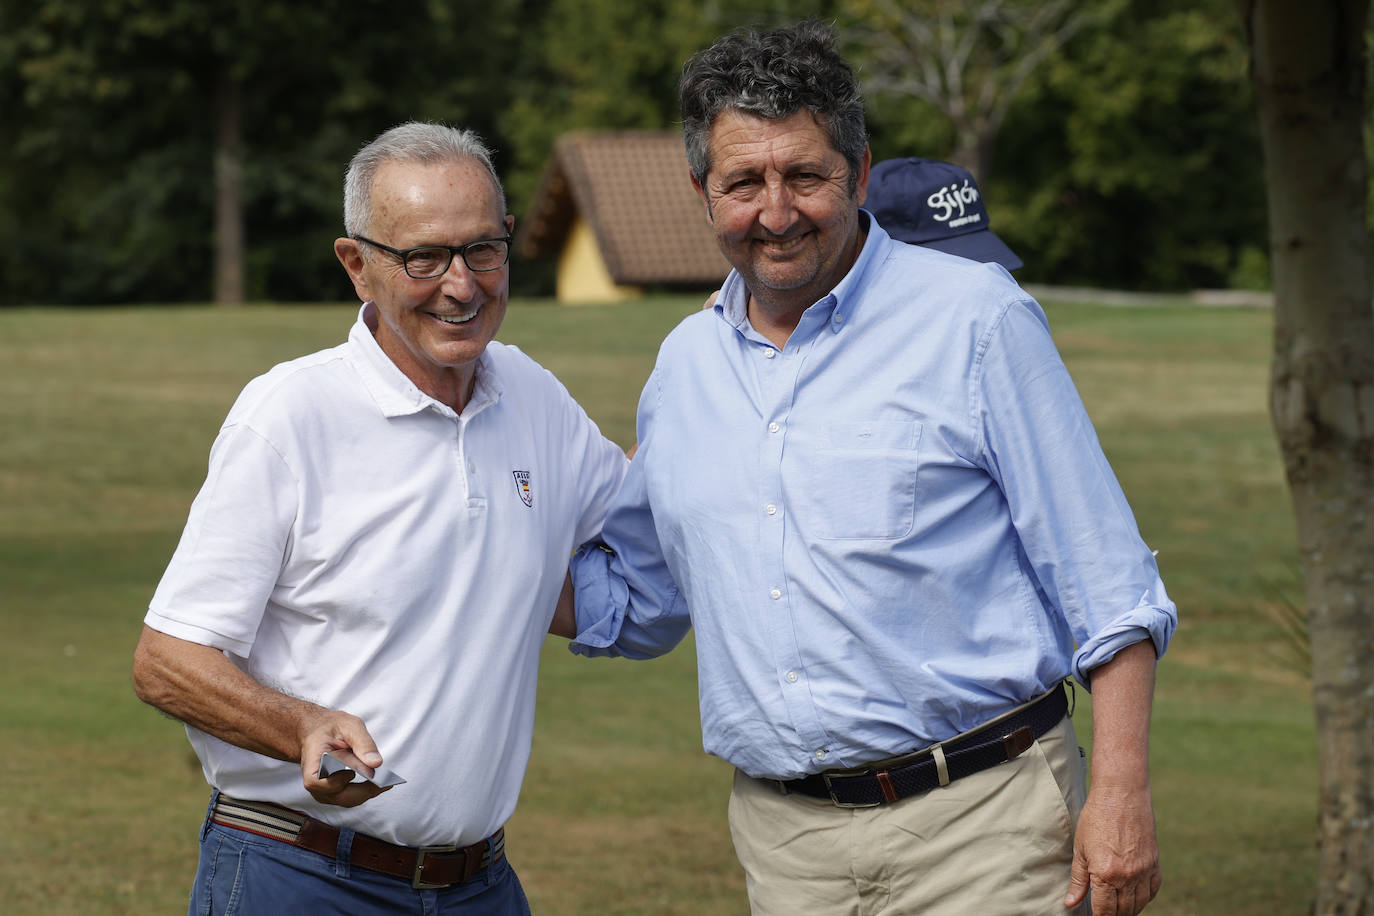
(773, 75)
(413, 141)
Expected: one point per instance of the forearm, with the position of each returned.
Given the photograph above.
(201, 687)
(564, 621)
(1115, 852)
(1122, 696)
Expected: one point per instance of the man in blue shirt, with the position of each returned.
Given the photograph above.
(866, 479)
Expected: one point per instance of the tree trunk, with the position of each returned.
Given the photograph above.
(228, 189)
(966, 152)
(1308, 69)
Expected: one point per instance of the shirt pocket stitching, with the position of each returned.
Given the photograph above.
(881, 458)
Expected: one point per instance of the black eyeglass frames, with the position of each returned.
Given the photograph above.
(430, 261)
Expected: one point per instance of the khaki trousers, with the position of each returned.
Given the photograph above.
(997, 843)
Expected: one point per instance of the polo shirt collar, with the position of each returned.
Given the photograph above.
(393, 392)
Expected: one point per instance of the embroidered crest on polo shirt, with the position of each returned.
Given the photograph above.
(522, 487)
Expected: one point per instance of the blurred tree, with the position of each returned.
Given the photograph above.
(1130, 158)
(187, 140)
(596, 64)
(967, 60)
(1308, 65)
(1125, 159)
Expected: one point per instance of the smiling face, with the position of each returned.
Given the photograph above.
(433, 330)
(778, 196)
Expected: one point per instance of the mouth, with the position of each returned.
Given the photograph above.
(781, 246)
(456, 319)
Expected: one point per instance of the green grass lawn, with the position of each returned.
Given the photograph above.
(108, 416)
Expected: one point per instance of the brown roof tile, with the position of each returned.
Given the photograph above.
(632, 189)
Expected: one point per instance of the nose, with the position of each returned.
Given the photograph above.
(459, 282)
(778, 208)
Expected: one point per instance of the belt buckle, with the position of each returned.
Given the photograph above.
(421, 852)
(830, 787)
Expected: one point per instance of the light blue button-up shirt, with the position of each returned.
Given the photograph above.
(886, 533)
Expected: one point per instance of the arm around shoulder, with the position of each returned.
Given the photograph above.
(629, 609)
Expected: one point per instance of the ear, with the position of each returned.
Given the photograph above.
(861, 186)
(350, 255)
(701, 192)
(510, 224)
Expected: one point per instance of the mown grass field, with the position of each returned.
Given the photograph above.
(107, 418)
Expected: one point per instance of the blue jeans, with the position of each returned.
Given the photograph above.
(242, 874)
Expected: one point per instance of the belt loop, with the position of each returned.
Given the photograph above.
(941, 768)
(491, 864)
(209, 813)
(343, 853)
(1073, 695)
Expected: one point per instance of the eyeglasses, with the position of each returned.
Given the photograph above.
(430, 261)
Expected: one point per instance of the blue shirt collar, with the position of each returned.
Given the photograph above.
(837, 308)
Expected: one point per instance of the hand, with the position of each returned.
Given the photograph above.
(200, 686)
(345, 737)
(1115, 853)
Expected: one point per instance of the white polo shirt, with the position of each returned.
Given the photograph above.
(360, 545)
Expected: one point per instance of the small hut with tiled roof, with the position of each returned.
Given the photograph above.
(619, 211)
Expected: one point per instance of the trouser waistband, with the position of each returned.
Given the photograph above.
(422, 866)
(939, 765)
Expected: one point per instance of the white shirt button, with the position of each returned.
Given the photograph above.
(791, 677)
(769, 353)
(820, 754)
(771, 509)
(775, 594)
(839, 319)
(773, 427)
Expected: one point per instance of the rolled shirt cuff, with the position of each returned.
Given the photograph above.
(1145, 621)
(600, 599)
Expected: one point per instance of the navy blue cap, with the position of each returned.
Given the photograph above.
(936, 205)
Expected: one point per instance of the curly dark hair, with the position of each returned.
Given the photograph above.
(773, 74)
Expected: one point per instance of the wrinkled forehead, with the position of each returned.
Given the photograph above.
(744, 142)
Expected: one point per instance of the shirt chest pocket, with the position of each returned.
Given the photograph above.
(863, 480)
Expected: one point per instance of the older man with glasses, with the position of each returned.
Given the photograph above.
(350, 627)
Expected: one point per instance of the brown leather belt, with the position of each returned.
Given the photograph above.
(423, 866)
(969, 753)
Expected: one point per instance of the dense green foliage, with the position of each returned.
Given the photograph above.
(1129, 159)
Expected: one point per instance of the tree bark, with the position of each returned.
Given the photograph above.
(1307, 66)
(229, 271)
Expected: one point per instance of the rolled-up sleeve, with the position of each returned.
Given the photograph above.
(1073, 520)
